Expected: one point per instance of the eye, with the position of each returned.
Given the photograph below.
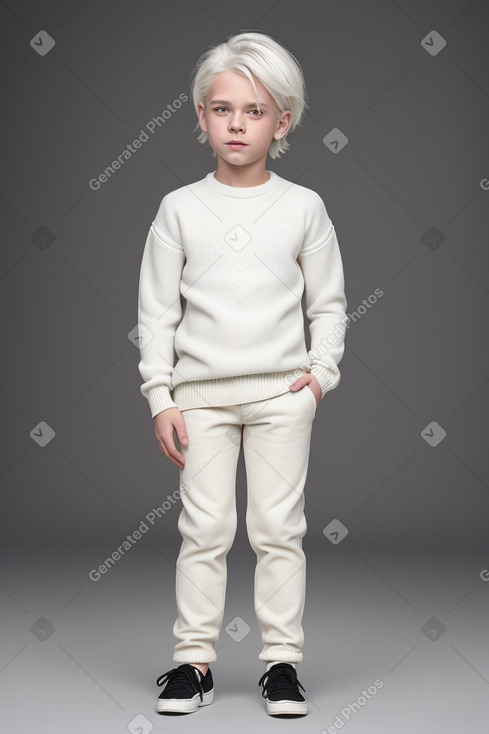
(257, 111)
(217, 109)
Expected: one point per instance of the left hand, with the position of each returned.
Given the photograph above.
(312, 384)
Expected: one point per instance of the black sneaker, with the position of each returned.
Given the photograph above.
(281, 690)
(186, 689)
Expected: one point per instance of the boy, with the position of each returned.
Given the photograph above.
(223, 272)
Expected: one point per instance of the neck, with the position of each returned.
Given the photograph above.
(253, 174)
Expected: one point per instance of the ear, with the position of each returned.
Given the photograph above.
(283, 125)
(202, 120)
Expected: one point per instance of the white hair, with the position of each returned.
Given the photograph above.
(254, 53)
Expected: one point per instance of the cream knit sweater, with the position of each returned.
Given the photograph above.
(222, 277)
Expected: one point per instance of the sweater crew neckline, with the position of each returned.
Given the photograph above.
(237, 192)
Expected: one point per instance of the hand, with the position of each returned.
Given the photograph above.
(166, 423)
(312, 384)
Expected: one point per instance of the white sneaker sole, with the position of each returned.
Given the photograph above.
(184, 705)
(286, 707)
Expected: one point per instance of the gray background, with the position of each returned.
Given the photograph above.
(409, 197)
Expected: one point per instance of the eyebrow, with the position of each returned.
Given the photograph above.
(228, 104)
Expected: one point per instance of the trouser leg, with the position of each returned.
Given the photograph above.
(207, 523)
(276, 443)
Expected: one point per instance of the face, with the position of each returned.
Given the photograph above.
(231, 114)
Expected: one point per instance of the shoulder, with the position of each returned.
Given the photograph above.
(309, 206)
(174, 205)
(166, 223)
(309, 198)
(181, 195)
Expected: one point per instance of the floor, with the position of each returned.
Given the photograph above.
(396, 642)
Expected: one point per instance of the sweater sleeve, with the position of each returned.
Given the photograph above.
(321, 264)
(159, 308)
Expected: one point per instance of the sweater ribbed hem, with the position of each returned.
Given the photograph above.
(233, 390)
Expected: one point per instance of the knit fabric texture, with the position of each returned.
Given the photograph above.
(223, 275)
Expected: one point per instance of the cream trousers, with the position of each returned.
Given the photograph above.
(276, 435)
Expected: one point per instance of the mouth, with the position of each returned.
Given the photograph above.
(236, 144)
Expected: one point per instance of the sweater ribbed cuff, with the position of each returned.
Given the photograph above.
(327, 379)
(159, 399)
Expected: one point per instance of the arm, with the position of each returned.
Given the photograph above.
(159, 309)
(321, 264)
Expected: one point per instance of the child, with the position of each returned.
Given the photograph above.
(223, 272)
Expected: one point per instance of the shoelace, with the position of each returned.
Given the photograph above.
(288, 680)
(188, 676)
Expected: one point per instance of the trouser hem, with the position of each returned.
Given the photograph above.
(196, 655)
(277, 654)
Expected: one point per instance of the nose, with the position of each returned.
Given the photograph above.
(236, 122)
